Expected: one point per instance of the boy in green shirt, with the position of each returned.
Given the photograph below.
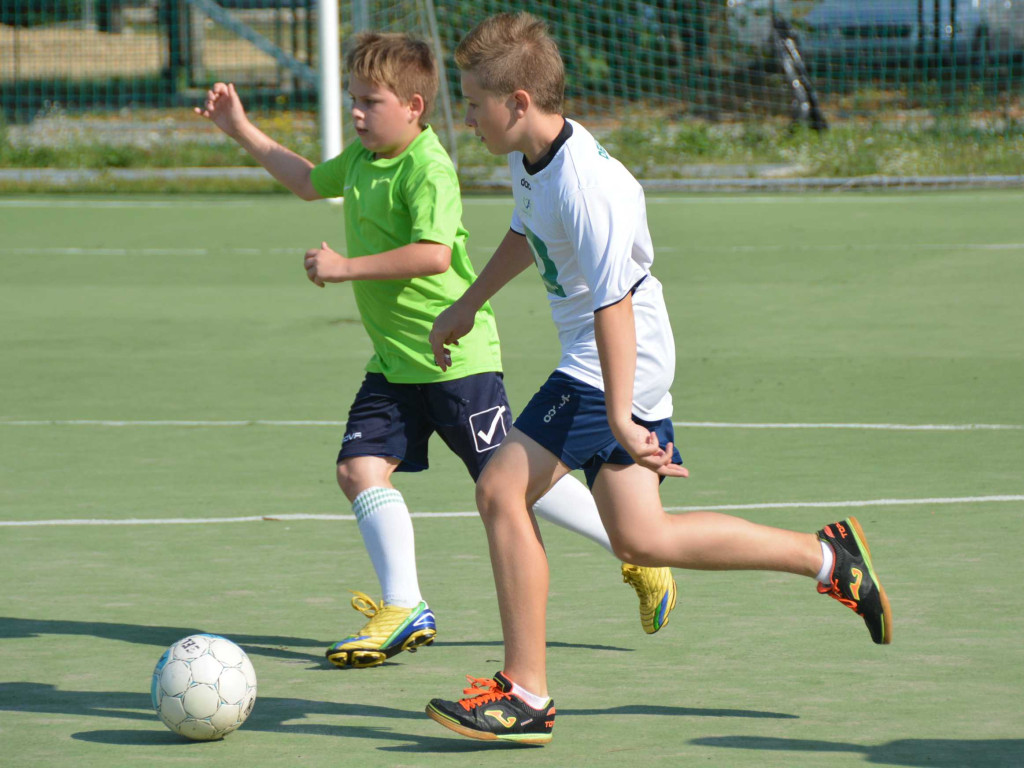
(407, 262)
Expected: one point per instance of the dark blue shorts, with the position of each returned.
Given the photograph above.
(471, 415)
(569, 418)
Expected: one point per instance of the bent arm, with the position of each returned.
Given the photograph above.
(510, 259)
(419, 259)
(223, 108)
(615, 333)
(287, 167)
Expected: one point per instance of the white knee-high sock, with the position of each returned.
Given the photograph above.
(386, 528)
(570, 505)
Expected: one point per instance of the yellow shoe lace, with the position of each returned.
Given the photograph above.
(383, 618)
(363, 603)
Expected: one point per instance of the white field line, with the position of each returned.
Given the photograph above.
(126, 202)
(830, 198)
(863, 246)
(721, 507)
(682, 424)
(166, 423)
(248, 252)
(826, 425)
(155, 252)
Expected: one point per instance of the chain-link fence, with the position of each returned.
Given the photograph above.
(895, 62)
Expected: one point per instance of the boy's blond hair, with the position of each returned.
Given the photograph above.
(401, 63)
(511, 52)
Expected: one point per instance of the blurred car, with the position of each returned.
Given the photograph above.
(884, 30)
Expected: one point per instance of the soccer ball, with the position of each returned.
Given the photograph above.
(203, 687)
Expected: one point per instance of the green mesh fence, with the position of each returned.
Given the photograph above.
(817, 63)
(102, 54)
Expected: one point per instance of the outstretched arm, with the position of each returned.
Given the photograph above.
(509, 259)
(224, 109)
(615, 333)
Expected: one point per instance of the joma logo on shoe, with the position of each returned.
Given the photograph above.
(498, 715)
(858, 577)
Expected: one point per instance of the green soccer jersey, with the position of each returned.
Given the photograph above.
(391, 202)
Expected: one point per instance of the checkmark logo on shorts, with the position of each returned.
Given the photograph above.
(489, 434)
(488, 428)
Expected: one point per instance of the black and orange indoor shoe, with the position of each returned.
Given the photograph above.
(853, 581)
(492, 712)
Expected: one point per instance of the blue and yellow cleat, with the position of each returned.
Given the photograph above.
(390, 630)
(657, 592)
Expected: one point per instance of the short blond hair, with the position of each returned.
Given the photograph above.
(511, 52)
(401, 63)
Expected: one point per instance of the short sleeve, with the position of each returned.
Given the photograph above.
(517, 223)
(435, 206)
(328, 177)
(601, 225)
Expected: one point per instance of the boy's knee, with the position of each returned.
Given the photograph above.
(347, 480)
(638, 550)
(486, 495)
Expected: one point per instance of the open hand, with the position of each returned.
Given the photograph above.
(224, 108)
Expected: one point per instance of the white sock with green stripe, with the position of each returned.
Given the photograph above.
(386, 528)
(569, 504)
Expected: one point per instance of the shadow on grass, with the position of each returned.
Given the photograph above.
(271, 714)
(274, 646)
(551, 644)
(161, 637)
(285, 715)
(654, 709)
(431, 744)
(916, 753)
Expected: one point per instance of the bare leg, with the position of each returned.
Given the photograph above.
(642, 533)
(520, 473)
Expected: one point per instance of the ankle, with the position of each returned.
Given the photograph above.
(535, 700)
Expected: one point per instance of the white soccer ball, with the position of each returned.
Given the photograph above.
(204, 687)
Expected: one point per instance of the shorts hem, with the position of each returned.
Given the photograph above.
(403, 465)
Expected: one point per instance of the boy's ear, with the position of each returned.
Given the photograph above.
(417, 105)
(520, 102)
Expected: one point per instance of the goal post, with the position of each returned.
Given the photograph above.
(330, 78)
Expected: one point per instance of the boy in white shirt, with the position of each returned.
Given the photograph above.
(581, 218)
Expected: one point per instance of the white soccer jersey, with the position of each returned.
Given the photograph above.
(585, 218)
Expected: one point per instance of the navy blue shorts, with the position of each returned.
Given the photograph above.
(471, 415)
(570, 419)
